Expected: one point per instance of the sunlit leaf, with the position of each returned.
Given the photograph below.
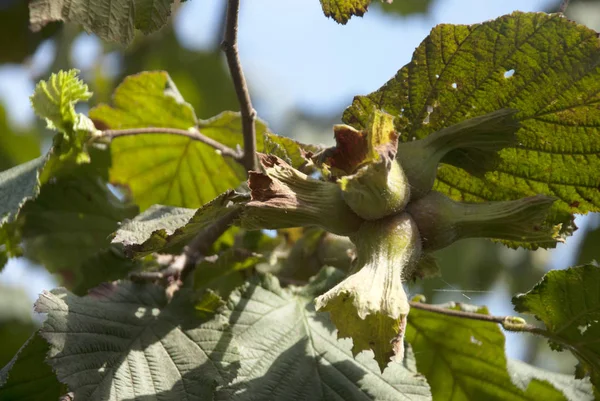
(342, 10)
(464, 360)
(143, 345)
(545, 66)
(290, 352)
(167, 169)
(567, 302)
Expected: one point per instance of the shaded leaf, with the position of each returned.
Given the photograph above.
(28, 377)
(290, 352)
(160, 228)
(464, 360)
(16, 147)
(567, 302)
(589, 250)
(110, 20)
(226, 272)
(543, 65)
(142, 345)
(17, 41)
(407, 7)
(16, 186)
(16, 323)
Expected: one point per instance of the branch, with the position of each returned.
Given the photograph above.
(563, 6)
(199, 247)
(180, 266)
(230, 47)
(509, 323)
(225, 151)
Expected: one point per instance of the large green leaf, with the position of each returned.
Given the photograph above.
(167, 169)
(543, 65)
(127, 341)
(28, 377)
(161, 228)
(202, 76)
(67, 227)
(291, 353)
(464, 360)
(110, 20)
(568, 303)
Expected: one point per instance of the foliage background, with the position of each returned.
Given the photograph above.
(303, 70)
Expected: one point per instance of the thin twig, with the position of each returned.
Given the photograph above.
(563, 6)
(509, 323)
(200, 245)
(230, 47)
(192, 134)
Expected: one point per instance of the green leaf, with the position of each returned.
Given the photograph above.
(290, 352)
(126, 341)
(542, 384)
(407, 7)
(110, 20)
(342, 10)
(567, 302)
(461, 71)
(225, 272)
(28, 377)
(464, 359)
(16, 146)
(16, 323)
(17, 185)
(167, 169)
(17, 41)
(160, 228)
(66, 229)
(55, 99)
(589, 250)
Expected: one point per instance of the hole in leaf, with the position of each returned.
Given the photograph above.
(475, 341)
(454, 85)
(509, 73)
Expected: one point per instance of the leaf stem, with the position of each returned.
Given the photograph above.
(509, 323)
(194, 134)
(230, 48)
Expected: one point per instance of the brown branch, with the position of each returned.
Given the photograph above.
(563, 6)
(230, 47)
(225, 151)
(199, 247)
(509, 323)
